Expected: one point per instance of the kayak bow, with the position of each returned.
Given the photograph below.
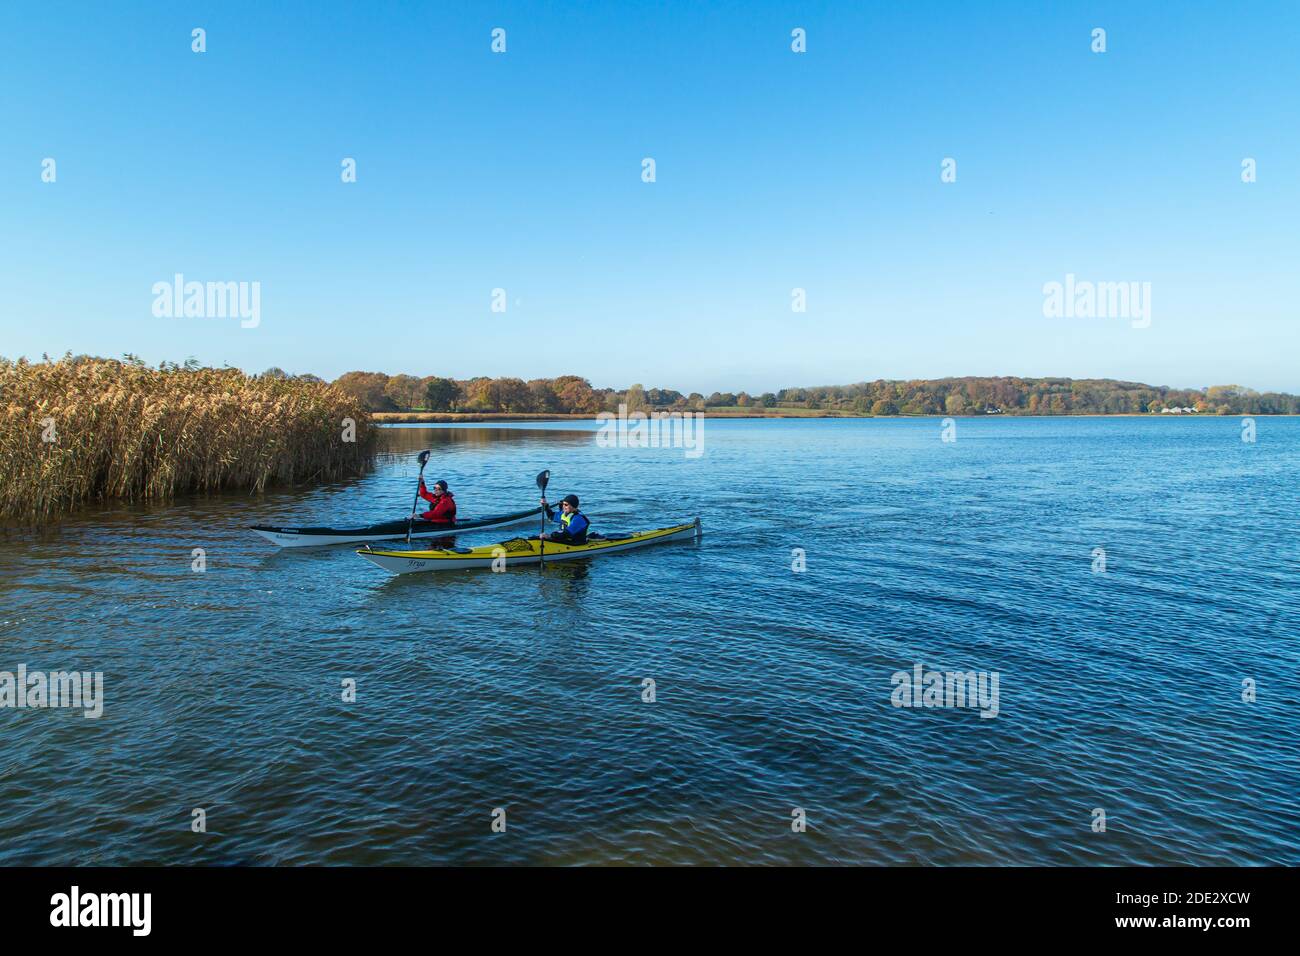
(388, 530)
(523, 551)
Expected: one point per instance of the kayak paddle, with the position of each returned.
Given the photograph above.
(542, 480)
(424, 460)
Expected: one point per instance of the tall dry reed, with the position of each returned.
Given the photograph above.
(84, 429)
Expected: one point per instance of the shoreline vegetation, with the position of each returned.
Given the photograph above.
(407, 398)
(81, 429)
(87, 429)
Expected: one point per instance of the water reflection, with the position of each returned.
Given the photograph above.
(563, 581)
(412, 440)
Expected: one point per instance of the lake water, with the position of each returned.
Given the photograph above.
(1119, 690)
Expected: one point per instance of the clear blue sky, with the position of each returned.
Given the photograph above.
(775, 171)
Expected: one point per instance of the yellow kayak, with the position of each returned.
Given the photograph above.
(518, 551)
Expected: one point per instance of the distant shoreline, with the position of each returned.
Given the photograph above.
(569, 395)
(451, 418)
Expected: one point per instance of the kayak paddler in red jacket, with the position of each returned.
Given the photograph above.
(444, 504)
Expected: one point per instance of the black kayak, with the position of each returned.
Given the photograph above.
(387, 531)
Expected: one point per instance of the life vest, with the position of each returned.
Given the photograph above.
(566, 521)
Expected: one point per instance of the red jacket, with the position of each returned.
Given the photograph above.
(444, 506)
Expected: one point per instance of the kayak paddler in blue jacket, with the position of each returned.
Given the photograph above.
(573, 523)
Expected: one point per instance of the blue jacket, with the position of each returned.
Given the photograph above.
(577, 524)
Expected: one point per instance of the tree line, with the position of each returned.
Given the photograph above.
(1036, 396)
(572, 394)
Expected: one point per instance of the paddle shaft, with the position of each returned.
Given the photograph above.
(542, 480)
(415, 502)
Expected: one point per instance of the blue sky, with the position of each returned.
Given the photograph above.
(775, 170)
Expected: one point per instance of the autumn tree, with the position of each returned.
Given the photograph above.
(367, 388)
(635, 399)
(440, 394)
(575, 395)
(406, 391)
(543, 398)
(500, 395)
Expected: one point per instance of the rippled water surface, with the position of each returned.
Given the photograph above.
(1119, 690)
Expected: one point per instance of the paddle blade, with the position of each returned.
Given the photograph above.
(542, 479)
(424, 458)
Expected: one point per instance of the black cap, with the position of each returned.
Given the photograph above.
(570, 500)
(440, 484)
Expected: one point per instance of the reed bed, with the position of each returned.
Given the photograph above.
(84, 429)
